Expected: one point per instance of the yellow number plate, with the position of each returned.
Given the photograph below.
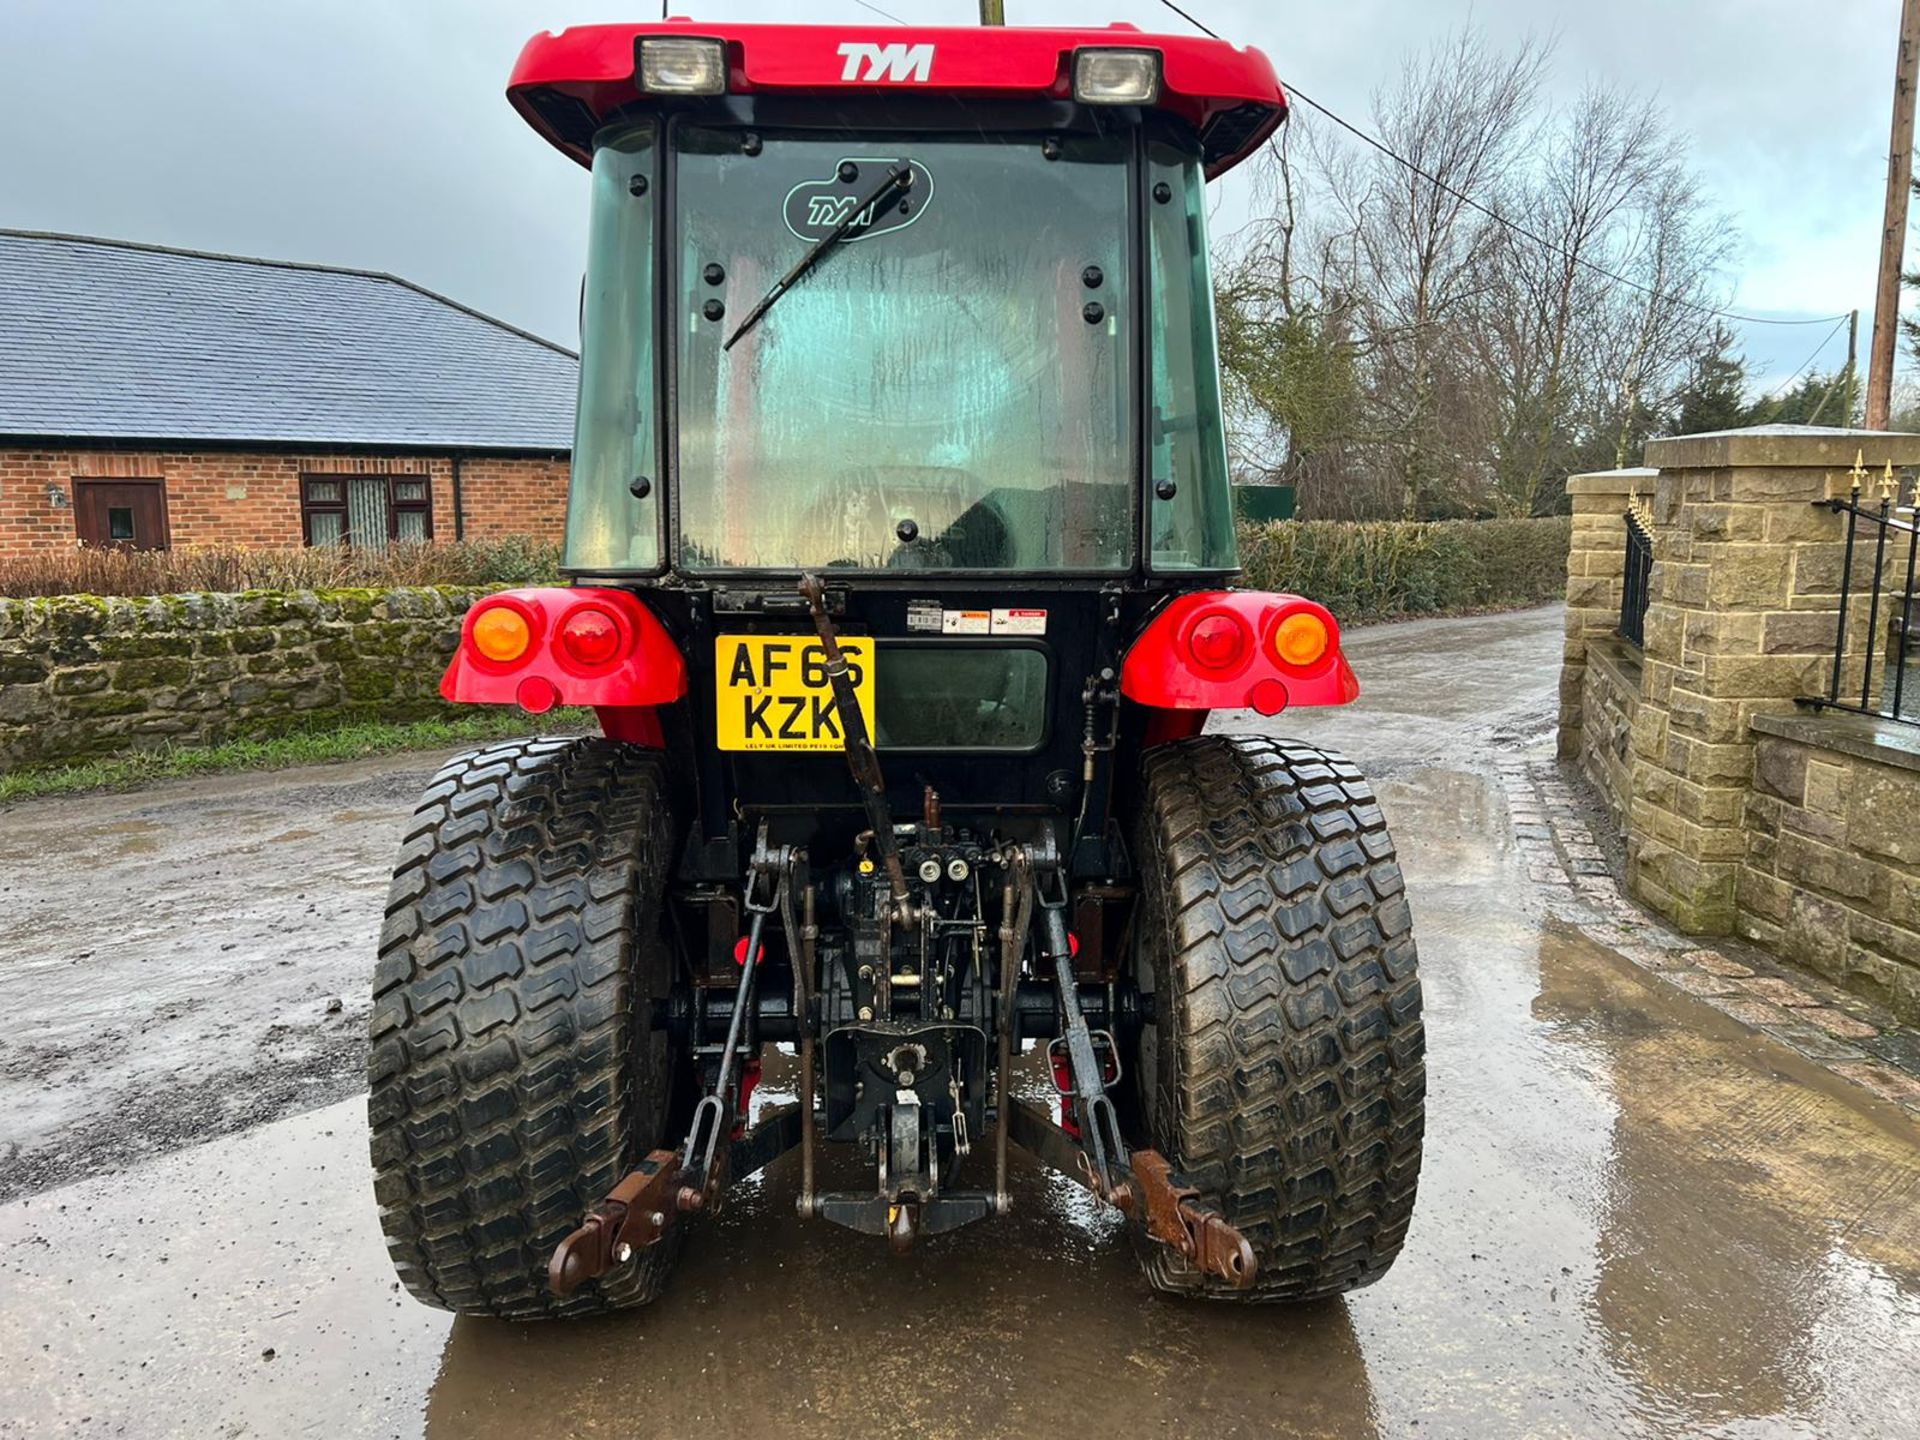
(773, 693)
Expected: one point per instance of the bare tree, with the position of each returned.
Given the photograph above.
(1516, 290)
(1369, 266)
(1676, 251)
(1289, 357)
(1458, 117)
(1596, 165)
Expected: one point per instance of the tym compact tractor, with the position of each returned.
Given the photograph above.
(902, 551)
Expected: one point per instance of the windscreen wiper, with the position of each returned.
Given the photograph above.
(897, 183)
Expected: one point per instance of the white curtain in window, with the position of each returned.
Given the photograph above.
(367, 511)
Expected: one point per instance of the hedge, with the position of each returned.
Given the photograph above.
(1377, 570)
(1361, 571)
(229, 569)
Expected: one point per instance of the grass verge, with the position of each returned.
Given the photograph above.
(312, 747)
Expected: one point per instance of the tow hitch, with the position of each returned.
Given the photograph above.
(640, 1210)
(1141, 1184)
(1147, 1191)
(634, 1215)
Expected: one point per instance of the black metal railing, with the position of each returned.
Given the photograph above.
(1637, 588)
(1889, 529)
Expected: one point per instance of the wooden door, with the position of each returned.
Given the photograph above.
(123, 514)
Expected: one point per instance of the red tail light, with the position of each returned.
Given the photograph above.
(1218, 641)
(590, 637)
(540, 648)
(1233, 650)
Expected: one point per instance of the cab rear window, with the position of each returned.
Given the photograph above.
(948, 389)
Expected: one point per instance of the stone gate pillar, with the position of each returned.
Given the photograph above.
(1596, 572)
(1742, 620)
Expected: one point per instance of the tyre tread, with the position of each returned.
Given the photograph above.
(501, 1085)
(1291, 1084)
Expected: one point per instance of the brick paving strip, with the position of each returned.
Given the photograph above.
(1833, 1028)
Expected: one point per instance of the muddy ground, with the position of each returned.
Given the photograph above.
(1637, 1217)
(188, 961)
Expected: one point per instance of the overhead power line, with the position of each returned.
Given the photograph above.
(1211, 34)
(1494, 215)
(1780, 390)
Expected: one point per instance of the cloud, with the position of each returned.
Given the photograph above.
(376, 134)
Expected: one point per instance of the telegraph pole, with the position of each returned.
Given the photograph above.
(1893, 238)
(1853, 365)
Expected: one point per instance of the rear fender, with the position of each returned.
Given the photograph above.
(645, 670)
(1164, 672)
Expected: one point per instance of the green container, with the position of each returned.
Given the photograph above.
(1257, 504)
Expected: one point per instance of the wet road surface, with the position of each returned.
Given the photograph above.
(1637, 1218)
(188, 961)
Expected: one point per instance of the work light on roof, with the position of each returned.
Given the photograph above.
(1116, 77)
(680, 65)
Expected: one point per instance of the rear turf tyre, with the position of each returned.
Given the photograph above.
(516, 1073)
(1284, 1073)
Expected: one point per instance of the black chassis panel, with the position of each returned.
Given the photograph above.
(809, 799)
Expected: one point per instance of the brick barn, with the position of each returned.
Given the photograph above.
(154, 397)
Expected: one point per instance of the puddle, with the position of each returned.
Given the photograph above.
(1637, 1219)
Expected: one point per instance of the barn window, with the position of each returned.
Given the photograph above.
(367, 512)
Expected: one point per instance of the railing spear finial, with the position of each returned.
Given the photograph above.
(1639, 511)
(1859, 471)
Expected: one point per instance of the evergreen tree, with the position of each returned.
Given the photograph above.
(1713, 397)
(1818, 399)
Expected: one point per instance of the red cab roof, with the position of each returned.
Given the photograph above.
(569, 83)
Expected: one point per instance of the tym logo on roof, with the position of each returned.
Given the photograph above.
(887, 62)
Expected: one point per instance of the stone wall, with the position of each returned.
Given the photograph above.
(82, 676)
(1744, 812)
(1831, 876)
(1742, 622)
(1609, 699)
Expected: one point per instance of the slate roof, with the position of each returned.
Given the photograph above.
(104, 339)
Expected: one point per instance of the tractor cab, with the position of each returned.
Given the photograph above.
(902, 546)
(926, 314)
(903, 309)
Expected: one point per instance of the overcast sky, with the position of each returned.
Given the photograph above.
(374, 134)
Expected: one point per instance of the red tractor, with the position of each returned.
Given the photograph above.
(903, 549)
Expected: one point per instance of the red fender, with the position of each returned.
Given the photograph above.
(1233, 665)
(624, 678)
